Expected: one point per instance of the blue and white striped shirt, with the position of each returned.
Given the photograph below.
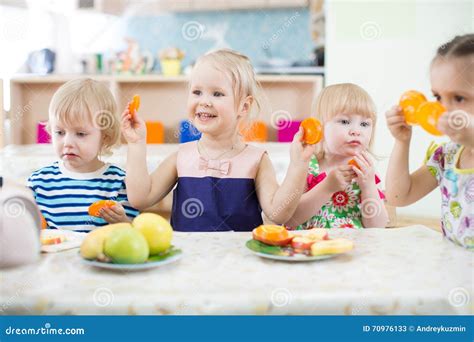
(64, 197)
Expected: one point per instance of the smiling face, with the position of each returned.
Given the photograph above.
(347, 134)
(212, 106)
(452, 82)
(78, 146)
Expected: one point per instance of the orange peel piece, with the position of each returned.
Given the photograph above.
(272, 235)
(410, 101)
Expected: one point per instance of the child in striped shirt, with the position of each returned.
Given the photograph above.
(84, 126)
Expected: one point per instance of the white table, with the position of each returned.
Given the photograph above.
(391, 271)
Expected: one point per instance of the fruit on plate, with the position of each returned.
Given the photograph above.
(335, 246)
(272, 235)
(51, 238)
(94, 208)
(92, 247)
(313, 131)
(126, 245)
(156, 230)
(428, 115)
(410, 101)
(134, 105)
(304, 242)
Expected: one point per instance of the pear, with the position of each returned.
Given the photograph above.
(156, 230)
(126, 245)
(92, 247)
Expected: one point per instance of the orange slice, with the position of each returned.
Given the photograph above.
(428, 115)
(134, 105)
(95, 207)
(272, 235)
(353, 163)
(313, 131)
(410, 101)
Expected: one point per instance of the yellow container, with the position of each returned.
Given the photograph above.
(170, 67)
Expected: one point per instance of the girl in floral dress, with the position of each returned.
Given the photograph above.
(338, 194)
(450, 165)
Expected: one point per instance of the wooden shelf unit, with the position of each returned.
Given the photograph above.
(163, 99)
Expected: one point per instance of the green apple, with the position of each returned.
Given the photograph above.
(125, 245)
(156, 230)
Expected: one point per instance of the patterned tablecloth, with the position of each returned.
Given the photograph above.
(391, 271)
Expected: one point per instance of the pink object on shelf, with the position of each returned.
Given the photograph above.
(42, 136)
(287, 130)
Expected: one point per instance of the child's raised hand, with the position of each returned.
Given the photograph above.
(133, 128)
(366, 170)
(458, 125)
(397, 125)
(115, 214)
(339, 178)
(300, 153)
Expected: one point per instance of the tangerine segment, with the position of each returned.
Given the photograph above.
(313, 131)
(335, 246)
(134, 105)
(410, 101)
(272, 235)
(44, 224)
(428, 115)
(95, 207)
(353, 163)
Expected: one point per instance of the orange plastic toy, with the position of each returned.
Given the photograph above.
(155, 132)
(428, 114)
(95, 207)
(313, 131)
(353, 163)
(410, 101)
(254, 131)
(134, 105)
(272, 235)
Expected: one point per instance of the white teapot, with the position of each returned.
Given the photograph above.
(20, 225)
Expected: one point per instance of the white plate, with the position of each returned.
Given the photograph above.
(132, 267)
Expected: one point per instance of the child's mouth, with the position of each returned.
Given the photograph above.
(202, 116)
(69, 155)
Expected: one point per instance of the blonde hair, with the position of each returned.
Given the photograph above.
(343, 98)
(240, 70)
(87, 101)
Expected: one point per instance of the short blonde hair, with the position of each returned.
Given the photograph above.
(240, 70)
(343, 98)
(87, 101)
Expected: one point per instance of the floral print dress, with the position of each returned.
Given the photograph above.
(343, 210)
(457, 193)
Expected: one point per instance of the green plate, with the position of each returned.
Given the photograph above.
(168, 257)
(281, 253)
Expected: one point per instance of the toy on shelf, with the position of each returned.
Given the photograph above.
(419, 111)
(170, 60)
(313, 131)
(254, 131)
(155, 132)
(132, 60)
(287, 130)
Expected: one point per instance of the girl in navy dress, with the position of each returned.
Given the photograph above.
(222, 183)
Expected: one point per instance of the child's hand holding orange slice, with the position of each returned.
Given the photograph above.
(94, 208)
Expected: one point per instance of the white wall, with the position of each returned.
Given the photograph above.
(386, 47)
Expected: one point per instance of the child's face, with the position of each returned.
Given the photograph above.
(452, 83)
(211, 103)
(347, 134)
(78, 147)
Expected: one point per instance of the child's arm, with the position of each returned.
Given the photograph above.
(313, 200)
(403, 188)
(372, 208)
(144, 190)
(279, 202)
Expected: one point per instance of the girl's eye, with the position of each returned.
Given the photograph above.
(197, 92)
(344, 121)
(365, 124)
(59, 133)
(437, 97)
(81, 134)
(459, 99)
(218, 94)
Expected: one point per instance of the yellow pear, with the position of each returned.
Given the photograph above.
(93, 245)
(156, 230)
